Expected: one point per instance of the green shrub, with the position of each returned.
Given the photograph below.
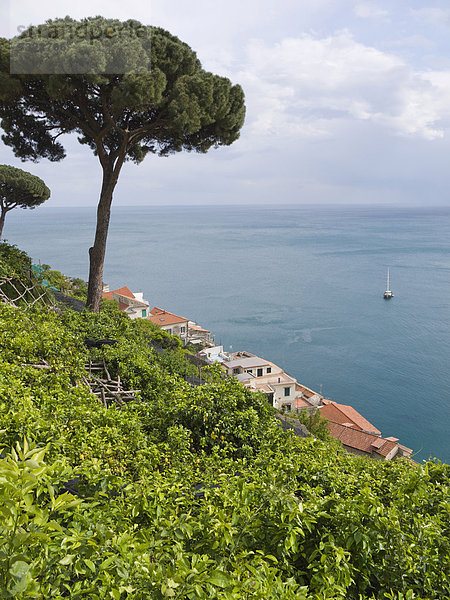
(190, 492)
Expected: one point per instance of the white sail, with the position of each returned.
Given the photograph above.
(388, 293)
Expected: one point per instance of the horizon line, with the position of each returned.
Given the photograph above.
(262, 204)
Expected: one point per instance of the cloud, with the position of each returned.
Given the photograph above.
(439, 17)
(369, 10)
(307, 86)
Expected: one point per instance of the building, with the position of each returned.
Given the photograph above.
(346, 415)
(279, 388)
(261, 375)
(132, 303)
(198, 335)
(170, 322)
(249, 363)
(214, 354)
(306, 398)
(359, 442)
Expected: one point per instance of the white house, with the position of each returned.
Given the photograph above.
(132, 303)
(279, 389)
(256, 366)
(261, 375)
(198, 335)
(170, 322)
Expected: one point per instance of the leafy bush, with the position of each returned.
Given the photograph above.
(190, 492)
(13, 261)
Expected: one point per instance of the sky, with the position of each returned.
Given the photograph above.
(348, 101)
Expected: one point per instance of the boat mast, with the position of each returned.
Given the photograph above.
(387, 284)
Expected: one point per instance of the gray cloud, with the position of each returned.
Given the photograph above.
(340, 107)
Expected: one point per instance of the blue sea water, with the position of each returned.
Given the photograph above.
(302, 286)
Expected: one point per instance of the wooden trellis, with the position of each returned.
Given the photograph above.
(110, 392)
(15, 292)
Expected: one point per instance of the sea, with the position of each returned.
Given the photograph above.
(301, 286)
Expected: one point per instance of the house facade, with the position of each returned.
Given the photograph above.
(173, 324)
(131, 303)
(198, 335)
(254, 365)
(261, 375)
(279, 389)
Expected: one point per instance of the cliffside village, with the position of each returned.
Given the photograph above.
(283, 391)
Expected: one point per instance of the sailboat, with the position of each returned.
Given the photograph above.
(388, 294)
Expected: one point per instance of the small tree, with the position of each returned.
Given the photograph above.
(124, 88)
(19, 189)
(314, 423)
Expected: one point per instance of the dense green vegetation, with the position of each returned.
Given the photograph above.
(190, 492)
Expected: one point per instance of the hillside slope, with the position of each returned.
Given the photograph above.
(189, 492)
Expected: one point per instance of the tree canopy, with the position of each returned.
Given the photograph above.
(125, 89)
(19, 188)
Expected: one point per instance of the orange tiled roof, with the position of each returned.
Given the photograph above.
(360, 440)
(123, 291)
(198, 328)
(161, 317)
(307, 393)
(384, 450)
(342, 413)
(300, 403)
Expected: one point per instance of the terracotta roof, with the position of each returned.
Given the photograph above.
(123, 291)
(301, 403)
(163, 317)
(306, 391)
(198, 328)
(342, 413)
(388, 446)
(378, 443)
(360, 440)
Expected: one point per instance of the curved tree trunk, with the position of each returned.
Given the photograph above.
(98, 250)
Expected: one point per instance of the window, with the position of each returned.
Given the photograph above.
(144, 312)
(287, 391)
(269, 370)
(236, 371)
(249, 371)
(259, 373)
(287, 407)
(169, 331)
(183, 329)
